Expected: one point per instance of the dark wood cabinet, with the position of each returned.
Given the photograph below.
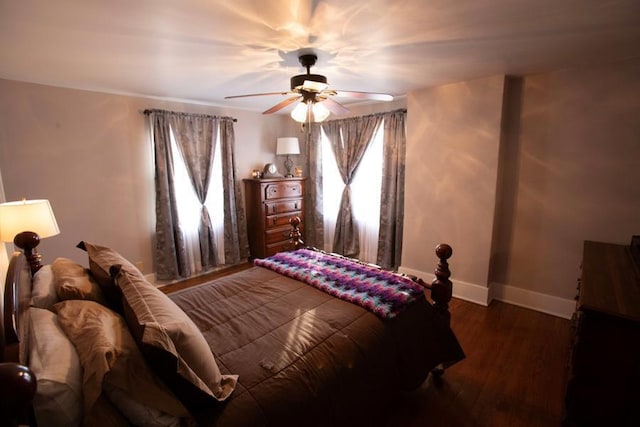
(604, 371)
(270, 204)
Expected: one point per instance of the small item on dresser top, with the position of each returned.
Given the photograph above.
(271, 171)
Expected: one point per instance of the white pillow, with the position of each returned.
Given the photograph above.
(138, 413)
(43, 293)
(55, 363)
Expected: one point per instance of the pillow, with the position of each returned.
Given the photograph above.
(171, 343)
(137, 413)
(72, 281)
(109, 355)
(43, 292)
(101, 259)
(54, 361)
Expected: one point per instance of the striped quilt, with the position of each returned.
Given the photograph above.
(382, 292)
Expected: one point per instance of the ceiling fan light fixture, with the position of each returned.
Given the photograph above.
(310, 111)
(320, 112)
(299, 114)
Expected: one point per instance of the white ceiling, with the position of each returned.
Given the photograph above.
(203, 50)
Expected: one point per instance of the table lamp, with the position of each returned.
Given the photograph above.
(286, 146)
(25, 222)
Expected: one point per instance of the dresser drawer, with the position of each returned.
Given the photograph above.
(274, 248)
(279, 190)
(283, 206)
(281, 219)
(276, 235)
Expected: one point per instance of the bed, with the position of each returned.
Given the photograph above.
(260, 347)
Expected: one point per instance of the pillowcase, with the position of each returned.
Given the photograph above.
(172, 344)
(137, 413)
(109, 355)
(54, 361)
(101, 258)
(43, 291)
(72, 281)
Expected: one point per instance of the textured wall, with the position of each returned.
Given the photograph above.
(452, 160)
(90, 154)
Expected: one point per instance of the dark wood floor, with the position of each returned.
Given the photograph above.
(514, 374)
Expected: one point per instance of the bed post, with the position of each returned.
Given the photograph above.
(441, 287)
(296, 236)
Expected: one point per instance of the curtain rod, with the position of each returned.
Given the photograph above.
(399, 110)
(178, 113)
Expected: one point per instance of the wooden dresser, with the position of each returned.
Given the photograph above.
(270, 204)
(604, 373)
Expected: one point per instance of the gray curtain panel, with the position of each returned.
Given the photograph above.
(314, 223)
(192, 131)
(236, 244)
(392, 197)
(170, 250)
(349, 139)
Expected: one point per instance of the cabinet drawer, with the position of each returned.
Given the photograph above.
(278, 190)
(274, 248)
(276, 235)
(282, 219)
(283, 206)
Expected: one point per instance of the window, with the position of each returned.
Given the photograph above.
(189, 208)
(365, 195)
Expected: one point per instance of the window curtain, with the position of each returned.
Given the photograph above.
(191, 132)
(314, 224)
(392, 201)
(236, 244)
(194, 136)
(349, 139)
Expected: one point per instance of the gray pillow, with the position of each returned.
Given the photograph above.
(173, 345)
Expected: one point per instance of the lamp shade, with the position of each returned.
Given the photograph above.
(287, 145)
(27, 215)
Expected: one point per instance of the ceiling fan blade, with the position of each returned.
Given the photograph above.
(335, 107)
(365, 95)
(257, 94)
(282, 104)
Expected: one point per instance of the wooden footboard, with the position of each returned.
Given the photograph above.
(441, 287)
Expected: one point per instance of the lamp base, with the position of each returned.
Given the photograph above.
(288, 164)
(27, 241)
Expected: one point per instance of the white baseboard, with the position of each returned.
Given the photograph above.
(461, 290)
(482, 295)
(544, 303)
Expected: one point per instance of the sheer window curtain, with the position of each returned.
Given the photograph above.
(189, 208)
(382, 172)
(365, 196)
(190, 140)
(349, 140)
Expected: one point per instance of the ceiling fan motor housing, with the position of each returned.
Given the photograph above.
(298, 81)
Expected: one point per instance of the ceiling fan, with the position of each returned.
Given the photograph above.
(314, 94)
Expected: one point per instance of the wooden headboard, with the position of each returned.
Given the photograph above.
(17, 381)
(17, 295)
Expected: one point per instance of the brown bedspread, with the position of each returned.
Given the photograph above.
(307, 358)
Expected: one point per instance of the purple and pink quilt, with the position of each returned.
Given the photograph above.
(382, 292)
